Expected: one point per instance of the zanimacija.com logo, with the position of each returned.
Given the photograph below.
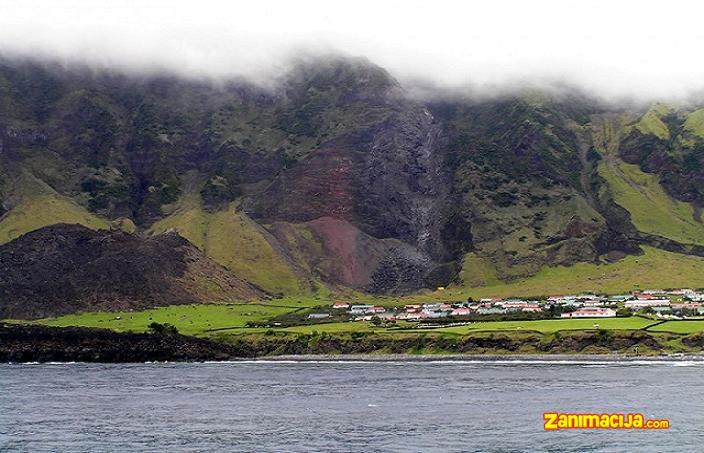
(557, 420)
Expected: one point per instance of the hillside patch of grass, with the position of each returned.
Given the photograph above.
(43, 210)
(652, 210)
(650, 122)
(235, 241)
(654, 269)
(695, 123)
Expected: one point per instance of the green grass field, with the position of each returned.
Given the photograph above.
(683, 327)
(552, 325)
(188, 319)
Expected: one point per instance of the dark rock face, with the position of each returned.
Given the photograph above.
(43, 344)
(68, 268)
(75, 344)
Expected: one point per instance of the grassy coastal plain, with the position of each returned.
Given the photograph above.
(235, 324)
(205, 320)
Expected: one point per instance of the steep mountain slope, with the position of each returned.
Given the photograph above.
(68, 268)
(524, 181)
(338, 177)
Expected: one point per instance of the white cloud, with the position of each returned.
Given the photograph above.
(643, 48)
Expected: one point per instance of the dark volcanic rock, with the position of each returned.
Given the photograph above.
(69, 268)
(75, 344)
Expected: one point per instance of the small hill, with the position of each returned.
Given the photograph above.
(64, 269)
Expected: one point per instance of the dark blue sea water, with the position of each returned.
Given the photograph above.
(356, 407)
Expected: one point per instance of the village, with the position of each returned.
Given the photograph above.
(663, 304)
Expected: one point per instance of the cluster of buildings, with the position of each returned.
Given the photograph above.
(670, 303)
(419, 312)
(673, 303)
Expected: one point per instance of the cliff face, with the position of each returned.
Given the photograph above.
(76, 344)
(337, 174)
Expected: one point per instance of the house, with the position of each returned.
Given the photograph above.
(566, 300)
(432, 314)
(591, 313)
(513, 304)
(592, 302)
(318, 315)
(688, 306)
(491, 310)
(412, 308)
(340, 305)
(360, 309)
(531, 308)
(681, 292)
(408, 316)
(620, 298)
(376, 309)
(646, 301)
(460, 312)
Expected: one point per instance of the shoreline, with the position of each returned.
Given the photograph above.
(522, 359)
(75, 344)
(480, 358)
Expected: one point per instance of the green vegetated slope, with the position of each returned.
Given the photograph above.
(651, 122)
(695, 123)
(652, 210)
(655, 268)
(235, 241)
(44, 210)
(39, 206)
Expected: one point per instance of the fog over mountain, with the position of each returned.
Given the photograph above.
(490, 46)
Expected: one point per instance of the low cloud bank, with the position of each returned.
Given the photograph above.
(629, 49)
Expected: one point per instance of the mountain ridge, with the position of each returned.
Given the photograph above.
(340, 178)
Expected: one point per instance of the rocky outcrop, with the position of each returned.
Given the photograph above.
(75, 344)
(69, 268)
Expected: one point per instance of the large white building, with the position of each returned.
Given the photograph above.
(592, 312)
(643, 303)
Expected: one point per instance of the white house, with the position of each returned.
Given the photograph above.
(592, 312)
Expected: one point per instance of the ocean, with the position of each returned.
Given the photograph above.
(328, 406)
